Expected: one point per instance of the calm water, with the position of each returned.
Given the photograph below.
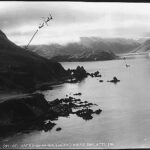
(125, 118)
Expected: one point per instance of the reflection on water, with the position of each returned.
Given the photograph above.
(125, 119)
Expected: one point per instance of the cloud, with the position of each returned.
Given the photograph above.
(31, 13)
(73, 19)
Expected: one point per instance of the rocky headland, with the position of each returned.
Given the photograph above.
(33, 112)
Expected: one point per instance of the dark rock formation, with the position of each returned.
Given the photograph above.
(115, 80)
(33, 112)
(28, 107)
(47, 126)
(78, 93)
(95, 74)
(23, 114)
(77, 74)
(86, 114)
(66, 106)
(98, 111)
(58, 129)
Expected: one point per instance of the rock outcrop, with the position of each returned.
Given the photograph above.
(114, 80)
(33, 112)
(19, 114)
(77, 74)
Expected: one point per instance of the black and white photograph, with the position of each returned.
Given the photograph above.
(74, 75)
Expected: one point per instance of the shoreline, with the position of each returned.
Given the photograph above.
(33, 112)
(10, 94)
(27, 111)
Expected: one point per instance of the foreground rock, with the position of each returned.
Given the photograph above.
(33, 112)
(67, 106)
(23, 114)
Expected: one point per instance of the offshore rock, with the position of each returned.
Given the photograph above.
(77, 74)
(115, 80)
(95, 74)
(78, 93)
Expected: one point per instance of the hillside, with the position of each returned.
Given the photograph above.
(88, 49)
(144, 47)
(22, 69)
(116, 45)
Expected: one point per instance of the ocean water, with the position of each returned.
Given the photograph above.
(125, 118)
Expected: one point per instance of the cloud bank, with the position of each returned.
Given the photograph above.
(19, 20)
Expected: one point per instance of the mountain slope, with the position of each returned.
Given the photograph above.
(88, 49)
(144, 47)
(116, 45)
(23, 69)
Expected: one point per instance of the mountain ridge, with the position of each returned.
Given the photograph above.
(88, 49)
(144, 47)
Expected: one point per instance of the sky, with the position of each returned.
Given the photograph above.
(72, 20)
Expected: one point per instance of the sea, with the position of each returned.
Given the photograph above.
(125, 118)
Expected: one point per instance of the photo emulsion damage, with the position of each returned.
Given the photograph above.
(74, 75)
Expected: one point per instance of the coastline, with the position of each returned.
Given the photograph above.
(11, 94)
(28, 111)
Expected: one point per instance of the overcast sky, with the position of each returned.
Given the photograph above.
(19, 20)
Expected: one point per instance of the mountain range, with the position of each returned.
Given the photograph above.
(88, 49)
